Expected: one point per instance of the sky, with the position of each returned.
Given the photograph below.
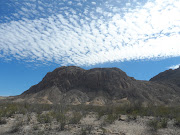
(141, 37)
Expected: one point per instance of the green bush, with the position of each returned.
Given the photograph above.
(17, 127)
(35, 127)
(2, 121)
(86, 130)
(43, 118)
(156, 124)
(100, 113)
(164, 122)
(62, 119)
(110, 118)
(76, 118)
(177, 122)
(132, 117)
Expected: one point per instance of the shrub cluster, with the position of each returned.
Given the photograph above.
(58, 112)
(158, 123)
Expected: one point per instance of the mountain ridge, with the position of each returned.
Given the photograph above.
(98, 86)
(168, 76)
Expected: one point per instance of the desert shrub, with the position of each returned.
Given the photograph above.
(133, 110)
(153, 124)
(100, 113)
(177, 121)
(105, 110)
(76, 118)
(104, 131)
(58, 112)
(2, 121)
(61, 127)
(40, 133)
(83, 132)
(132, 117)
(10, 110)
(28, 117)
(39, 108)
(110, 118)
(61, 118)
(43, 118)
(17, 127)
(156, 123)
(35, 127)
(86, 130)
(164, 122)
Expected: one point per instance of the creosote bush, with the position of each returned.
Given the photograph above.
(86, 130)
(58, 112)
(43, 118)
(61, 118)
(158, 123)
(177, 121)
(110, 118)
(17, 127)
(35, 127)
(76, 118)
(2, 121)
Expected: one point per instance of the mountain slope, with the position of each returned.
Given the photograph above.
(98, 86)
(168, 76)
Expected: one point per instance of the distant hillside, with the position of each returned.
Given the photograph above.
(98, 86)
(168, 76)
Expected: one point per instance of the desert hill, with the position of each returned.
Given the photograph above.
(168, 76)
(98, 86)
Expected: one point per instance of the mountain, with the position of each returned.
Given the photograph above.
(98, 86)
(169, 76)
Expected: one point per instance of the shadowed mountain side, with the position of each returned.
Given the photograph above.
(98, 86)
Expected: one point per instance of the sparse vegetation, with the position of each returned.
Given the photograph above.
(43, 118)
(86, 130)
(41, 114)
(76, 118)
(62, 119)
(157, 123)
(132, 117)
(40, 133)
(58, 111)
(2, 121)
(110, 118)
(16, 127)
(35, 127)
(177, 122)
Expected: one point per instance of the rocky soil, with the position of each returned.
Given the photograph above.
(89, 124)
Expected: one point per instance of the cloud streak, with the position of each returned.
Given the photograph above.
(90, 32)
(174, 66)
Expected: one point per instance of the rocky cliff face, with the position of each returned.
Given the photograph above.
(98, 86)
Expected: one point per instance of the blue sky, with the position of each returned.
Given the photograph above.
(142, 37)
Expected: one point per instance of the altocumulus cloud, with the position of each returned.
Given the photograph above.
(85, 32)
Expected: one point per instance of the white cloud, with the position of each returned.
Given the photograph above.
(174, 66)
(94, 3)
(147, 32)
(128, 4)
(70, 2)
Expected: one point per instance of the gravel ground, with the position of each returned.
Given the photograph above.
(28, 125)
